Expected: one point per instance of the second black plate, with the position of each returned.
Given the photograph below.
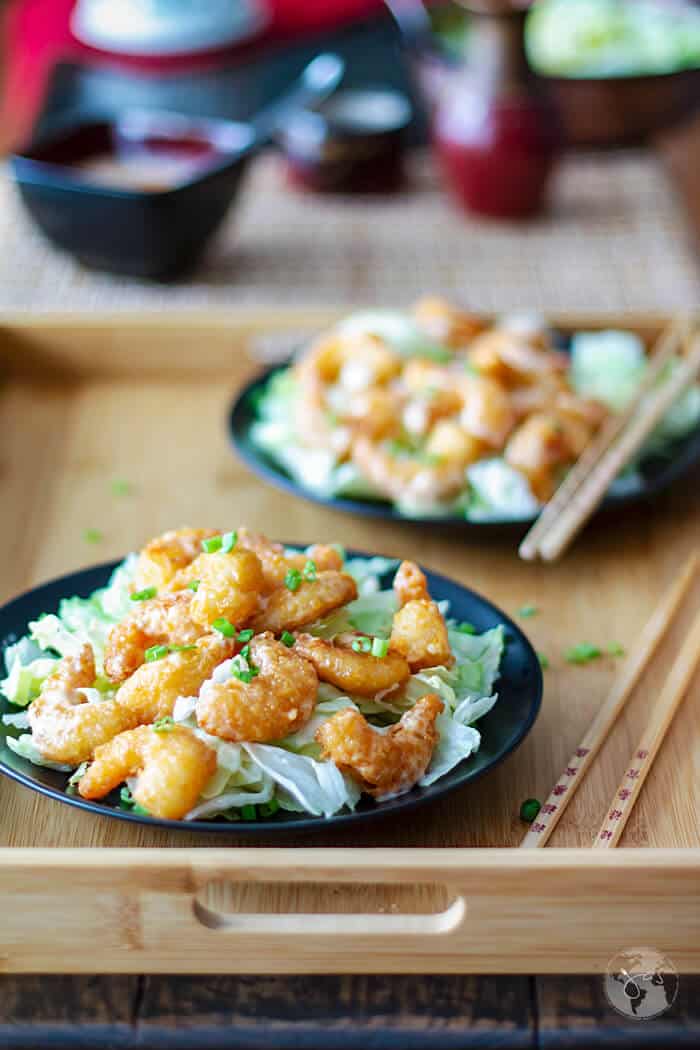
(655, 474)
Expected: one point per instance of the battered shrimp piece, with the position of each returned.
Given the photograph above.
(276, 563)
(288, 610)
(375, 412)
(446, 324)
(450, 442)
(278, 700)
(427, 407)
(158, 621)
(383, 763)
(407, 479)
(355, 362)
(486, 410)
(419, 632)
(163, 556)
(230, 585)
(171, 768)
(410, 583)
(354, 672)
(66, 728)
(150, 693)
(537, 448)
(512, 355)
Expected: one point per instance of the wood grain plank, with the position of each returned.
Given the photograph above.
(63, 444)
(336, 1013)
(573, 1012)
(68, 1013)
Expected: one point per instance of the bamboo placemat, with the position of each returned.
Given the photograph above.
(615, 238)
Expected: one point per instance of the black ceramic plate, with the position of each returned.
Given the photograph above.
(656, 473)
(505, 726)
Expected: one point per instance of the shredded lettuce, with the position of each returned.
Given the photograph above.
(25, 747)
(290, 771)
(498, 490)
(317, 787)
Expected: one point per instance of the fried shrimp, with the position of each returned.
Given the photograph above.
(353, 671)
(276, 562)
(354, 362)
(537, 449)
(419, 633)
(274, 696)
(150, 693)
(407, 479)
(66, 727)
(410, 583)
(383, 763)
(158, 621)
(445, 323)
(229, 587)
(287, 610)
(171, 768)
(165, 555)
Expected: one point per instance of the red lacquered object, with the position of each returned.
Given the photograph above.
(496, 133)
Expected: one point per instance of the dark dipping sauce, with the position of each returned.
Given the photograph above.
(131, 157)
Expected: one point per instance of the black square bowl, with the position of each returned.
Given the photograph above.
(156, 232)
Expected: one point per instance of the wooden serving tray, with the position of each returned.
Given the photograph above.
(86, 400)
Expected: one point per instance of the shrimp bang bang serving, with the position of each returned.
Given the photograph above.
(221, 675)
(442, 414)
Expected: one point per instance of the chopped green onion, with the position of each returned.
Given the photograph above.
(287, 639)
(362, 645)
(309, 571)
(249, 812)
(292, 580)
(529, 810)
(268, 809)
(544, 661)
(211, 545)
(181, 648)
(194, 585)
(126, 799)
(245, 636)
(241, 668)
(156, 652)
(164, 724)
(615, 649)
(526, 611)
(75, 778)
(120, 487)
(92, 536)
(144, 595)
(229, 541)
(466, 628)
(582, 653)
(224, 626)
(141, 811)
(380, 647)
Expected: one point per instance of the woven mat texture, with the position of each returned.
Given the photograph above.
(615, 238)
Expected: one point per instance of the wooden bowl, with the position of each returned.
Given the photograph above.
(616, 111)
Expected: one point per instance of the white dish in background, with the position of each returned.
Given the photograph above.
(166, 27)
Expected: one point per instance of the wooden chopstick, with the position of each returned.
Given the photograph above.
(592, 490)
(666, 346)
(633, 668)
(644, 754)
